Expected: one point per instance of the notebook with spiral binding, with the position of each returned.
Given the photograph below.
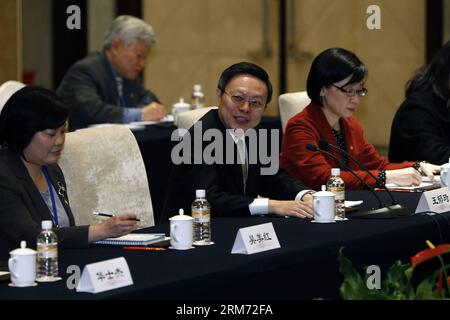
(133, 239)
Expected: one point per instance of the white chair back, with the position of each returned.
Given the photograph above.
(290, 104)
(104, 172)
(187, 119)
(7, 89)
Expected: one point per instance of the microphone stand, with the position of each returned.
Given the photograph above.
(384, 212)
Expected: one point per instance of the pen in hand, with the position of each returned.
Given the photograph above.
(144, 248)
(108, 215)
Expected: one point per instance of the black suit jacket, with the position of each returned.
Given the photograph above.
(90, 90)
(22, 208)
(223, 182)
(421, 130)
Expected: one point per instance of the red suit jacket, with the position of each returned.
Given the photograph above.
(313, 168)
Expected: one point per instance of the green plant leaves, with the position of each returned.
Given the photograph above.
(425, 290)
(353, 287)
(397, 284)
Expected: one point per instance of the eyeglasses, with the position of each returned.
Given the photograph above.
(240, 100)
(352, 92)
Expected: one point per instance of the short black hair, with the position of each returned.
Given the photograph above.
(30, 110)
(245, 68)
(435, 76)
(330, 66)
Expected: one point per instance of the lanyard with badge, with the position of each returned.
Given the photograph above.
(52, 196)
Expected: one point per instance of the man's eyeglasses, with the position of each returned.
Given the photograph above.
(240, 100)
(352, 92)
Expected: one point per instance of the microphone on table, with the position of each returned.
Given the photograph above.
(392, 211)
(323, 144)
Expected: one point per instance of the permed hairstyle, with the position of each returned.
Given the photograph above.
(129, 30)
(330, 66)
(30, 110)
(245, 68)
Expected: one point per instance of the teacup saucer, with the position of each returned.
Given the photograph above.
(181, 249)
(204, 244)
(49, 279)
(315, 221)
(28, 285)
(340, 219)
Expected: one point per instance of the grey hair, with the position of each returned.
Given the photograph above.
(129, 30)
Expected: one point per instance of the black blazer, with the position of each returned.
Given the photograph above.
(22, 208)
(90, 90)
(421, 130)
(223, 182)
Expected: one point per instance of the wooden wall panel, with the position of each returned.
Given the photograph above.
(392, 53)
(37, 49)
(11, 38)
(197, 40)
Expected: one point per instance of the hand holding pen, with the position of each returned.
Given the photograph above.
(115, 226)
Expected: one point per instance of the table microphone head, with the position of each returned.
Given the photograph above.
(311, 147)
(323, 144)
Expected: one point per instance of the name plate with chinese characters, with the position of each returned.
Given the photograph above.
(256, 239)
(105, 275)
(434, 200)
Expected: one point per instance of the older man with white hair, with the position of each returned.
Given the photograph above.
(105, 87)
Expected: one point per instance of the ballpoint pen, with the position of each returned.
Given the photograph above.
(108, 215)
(396, 190)
(144, 248)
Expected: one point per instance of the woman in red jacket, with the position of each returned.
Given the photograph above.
(335, 84)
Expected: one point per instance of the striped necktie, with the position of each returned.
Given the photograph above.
(242, 155)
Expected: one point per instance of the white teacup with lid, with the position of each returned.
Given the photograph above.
(324, 206)
(178, 108)
(181, 231)
(22, 265)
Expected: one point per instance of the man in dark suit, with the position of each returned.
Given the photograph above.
(234, 177)
(105, 87)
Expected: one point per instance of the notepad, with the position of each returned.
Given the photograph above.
(424, 186)
(352, 205)
(133, 239)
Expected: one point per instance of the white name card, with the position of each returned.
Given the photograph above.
(437, 200)
(105, 275)
(256, 239)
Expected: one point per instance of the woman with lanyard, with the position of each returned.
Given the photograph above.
(33, 123)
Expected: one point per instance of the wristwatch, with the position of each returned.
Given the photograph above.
(308, 192)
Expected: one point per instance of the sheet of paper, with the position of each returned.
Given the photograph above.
(168, 118)
(352, 204)
(422, 186)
